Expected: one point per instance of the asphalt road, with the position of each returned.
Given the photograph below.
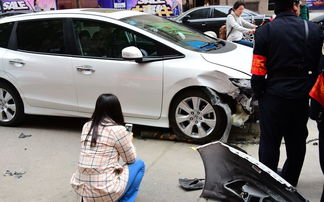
(45, 161)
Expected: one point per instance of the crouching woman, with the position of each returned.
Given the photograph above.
(104, 139)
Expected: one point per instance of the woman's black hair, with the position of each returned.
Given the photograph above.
(107, 109)
(236, 5)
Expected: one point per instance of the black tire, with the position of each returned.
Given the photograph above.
(11, 106)
(197, 121)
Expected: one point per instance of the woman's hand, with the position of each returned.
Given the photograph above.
(252, 31)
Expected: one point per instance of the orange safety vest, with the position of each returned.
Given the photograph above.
(317, 92)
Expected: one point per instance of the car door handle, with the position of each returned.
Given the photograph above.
(85, 69)
(17, 62)
(203, 24)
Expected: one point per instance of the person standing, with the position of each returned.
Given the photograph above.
(1, 6)
(236, 26)
(304, 11)
(104, 140)
(317, 113)
(284, 68)
(186, 6)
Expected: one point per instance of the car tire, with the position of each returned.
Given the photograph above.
(11, 106)
(200, 124)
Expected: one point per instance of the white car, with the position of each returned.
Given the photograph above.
(164, 74)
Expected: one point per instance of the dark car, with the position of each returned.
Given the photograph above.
(319, 20)
(211, 18)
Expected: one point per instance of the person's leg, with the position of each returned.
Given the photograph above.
(271, 131)
(295, 139)
(320, 126)
(322, 197)
(136, 173)
(245, 43)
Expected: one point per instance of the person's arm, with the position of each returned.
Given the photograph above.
(316, 111)
(234, 25)
(124, 145)
(248, 24)
(259, 61)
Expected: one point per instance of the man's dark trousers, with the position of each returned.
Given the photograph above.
(283, 118)
(320, 126)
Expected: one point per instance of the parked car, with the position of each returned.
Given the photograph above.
(319, 20)
(164, 74)
(211, 18)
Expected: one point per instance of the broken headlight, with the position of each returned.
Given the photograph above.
(243, 84)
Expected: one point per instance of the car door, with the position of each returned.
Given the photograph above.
(100, 69)
(38, 64)
(198, 18)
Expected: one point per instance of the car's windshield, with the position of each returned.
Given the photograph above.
(174, 32)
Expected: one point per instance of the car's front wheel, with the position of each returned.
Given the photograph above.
(11, 106)
(193, 117)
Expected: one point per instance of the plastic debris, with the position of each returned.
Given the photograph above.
(17, 174)
(22, 135)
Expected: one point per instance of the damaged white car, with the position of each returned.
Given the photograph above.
(165, 74)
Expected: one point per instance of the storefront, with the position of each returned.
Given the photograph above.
(165, 8)
(36, 5)
(315, 4)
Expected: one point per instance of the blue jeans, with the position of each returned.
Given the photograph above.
(244, 42)
(136, 173)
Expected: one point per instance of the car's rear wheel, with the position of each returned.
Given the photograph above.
(193, 117)
(11, 106)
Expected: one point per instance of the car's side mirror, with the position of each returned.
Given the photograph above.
(132, 53)
(186, 19)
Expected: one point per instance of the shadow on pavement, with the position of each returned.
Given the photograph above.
(246, 135)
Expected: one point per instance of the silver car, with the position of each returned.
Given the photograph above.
(165, 74)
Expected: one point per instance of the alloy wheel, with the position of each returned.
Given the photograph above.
(7, 106)
(195, 117)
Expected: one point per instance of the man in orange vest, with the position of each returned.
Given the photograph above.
(317, 113)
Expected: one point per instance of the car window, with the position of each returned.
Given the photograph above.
(199, 14)
(223, 9)
(41, 36)
(246, 14)
(218, 13)
(5, 32)
(101, 39)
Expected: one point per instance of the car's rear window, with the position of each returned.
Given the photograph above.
(41, 36)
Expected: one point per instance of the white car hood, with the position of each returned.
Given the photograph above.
(239, 59)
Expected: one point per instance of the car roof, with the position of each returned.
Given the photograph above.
(110, 13)
(11, 13)
(318, 18)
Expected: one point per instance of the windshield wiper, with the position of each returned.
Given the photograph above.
(209, 44)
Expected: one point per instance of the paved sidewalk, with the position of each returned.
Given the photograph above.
(168, 161)
(50, 156)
